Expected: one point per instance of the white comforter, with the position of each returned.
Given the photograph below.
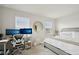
(67, 47)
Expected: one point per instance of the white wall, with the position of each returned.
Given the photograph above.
(0, 22)
(8, 21)
(0, 19)
(70, 21)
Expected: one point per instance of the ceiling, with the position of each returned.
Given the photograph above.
(47, 10)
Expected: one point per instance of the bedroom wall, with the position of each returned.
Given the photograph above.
(0, 19)
(69, 21)
(8, 21)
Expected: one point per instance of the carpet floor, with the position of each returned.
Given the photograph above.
(38, 50)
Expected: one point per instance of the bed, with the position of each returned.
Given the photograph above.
(67, 43)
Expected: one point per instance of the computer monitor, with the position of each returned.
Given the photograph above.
(26, 31)
(12, 31)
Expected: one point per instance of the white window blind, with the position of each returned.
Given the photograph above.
(48, 24)
(22, 22)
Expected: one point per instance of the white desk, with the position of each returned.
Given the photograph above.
(4, 41)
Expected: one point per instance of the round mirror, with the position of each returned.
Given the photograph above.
(38, 26)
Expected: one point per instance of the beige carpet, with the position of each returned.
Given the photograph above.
(38, 50)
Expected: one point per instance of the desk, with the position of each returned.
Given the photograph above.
(4, 41)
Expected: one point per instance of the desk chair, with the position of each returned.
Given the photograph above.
(18, 43)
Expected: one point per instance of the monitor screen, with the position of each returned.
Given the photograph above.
(26, 31)
(12, 31)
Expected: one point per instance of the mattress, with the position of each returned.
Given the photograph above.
(68, 47)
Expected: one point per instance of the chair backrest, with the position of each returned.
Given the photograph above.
(1, 35)
(18, 36)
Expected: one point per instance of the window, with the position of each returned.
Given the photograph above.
(48, 26)
(22, 22)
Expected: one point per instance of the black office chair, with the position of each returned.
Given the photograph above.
(1, 36)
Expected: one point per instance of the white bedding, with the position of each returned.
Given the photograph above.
(67, 47)
(70, 36)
